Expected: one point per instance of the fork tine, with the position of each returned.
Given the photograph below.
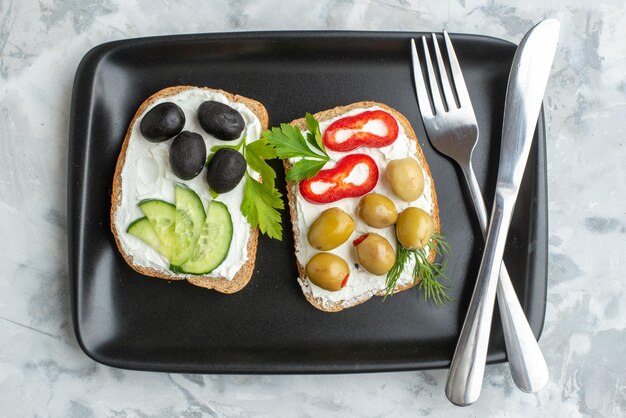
(457, 75)
(420, 87)
(443, 75)
(434, 89)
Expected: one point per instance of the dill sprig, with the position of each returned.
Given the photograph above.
(403, 256)
(429, 274)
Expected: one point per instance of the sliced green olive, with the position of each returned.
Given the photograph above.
(331, 229)
(328, 271)
(406, 178)
(414, 228)
(375, 253)
(377, 211)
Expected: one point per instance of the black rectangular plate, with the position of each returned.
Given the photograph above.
(126, 320)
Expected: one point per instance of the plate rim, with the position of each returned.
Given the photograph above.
(84, 77)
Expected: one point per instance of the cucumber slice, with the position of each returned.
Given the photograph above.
(190, 218)
(214, 242)
(162, 217)
(142, 229)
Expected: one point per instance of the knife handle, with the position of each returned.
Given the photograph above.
(528, 366)
(465, 378)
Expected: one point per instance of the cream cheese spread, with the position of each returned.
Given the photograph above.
(361, 284)
(147, 174)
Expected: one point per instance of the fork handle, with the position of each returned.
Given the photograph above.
(528, 366)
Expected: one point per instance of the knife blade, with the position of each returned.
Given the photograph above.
(526, 86)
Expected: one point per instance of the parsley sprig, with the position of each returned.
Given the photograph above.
(290, 143)
(261, 200)
(426, 272)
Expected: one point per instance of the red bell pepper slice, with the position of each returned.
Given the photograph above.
(344, 282)
(359, 239)
(361, 138)
(334, 184)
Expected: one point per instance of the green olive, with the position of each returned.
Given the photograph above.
(377, 211)
(414, 228)
(375, 254)
(331, 229)
(328, 271)
(406, 178)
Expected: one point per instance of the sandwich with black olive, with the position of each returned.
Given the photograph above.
(184, 202)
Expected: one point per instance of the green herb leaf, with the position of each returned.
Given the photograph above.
(304, 169)
(314, 136)
(216, 148)
(260, 200)
(256, 153)
(426, 272)
(259, 206)
(290, 143)
(236, 147)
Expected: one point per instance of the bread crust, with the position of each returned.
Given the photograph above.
(292, 193)
(220, 284)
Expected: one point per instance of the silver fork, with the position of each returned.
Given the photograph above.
(453, 131)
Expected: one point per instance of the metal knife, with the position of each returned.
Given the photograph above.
(525, 90)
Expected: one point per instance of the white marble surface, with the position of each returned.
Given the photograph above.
(43, 372)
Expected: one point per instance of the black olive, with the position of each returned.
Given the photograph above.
(162, 122)
(187, 155)
(220, 120)
(225, 170)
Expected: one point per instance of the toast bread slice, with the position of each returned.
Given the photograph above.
(220, 284)
(292, 193)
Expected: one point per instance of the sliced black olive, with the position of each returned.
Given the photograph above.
(187, 155)
(225, 170)
(162, 122)
(220, 120)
